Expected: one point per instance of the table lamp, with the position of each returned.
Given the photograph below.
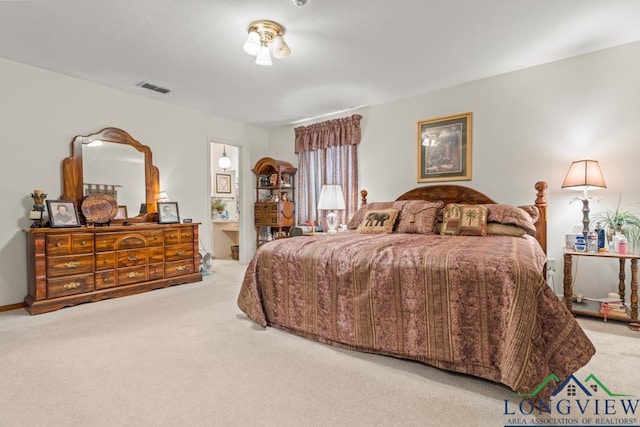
(331, 198)
(584, 175)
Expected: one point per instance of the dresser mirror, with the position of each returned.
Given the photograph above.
(112, 162)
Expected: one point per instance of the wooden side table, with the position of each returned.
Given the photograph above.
(592, 308)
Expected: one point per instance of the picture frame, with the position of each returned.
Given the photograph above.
(168, 213)
(444, 148)
(62, 213)
(223, 183)
(122, 213)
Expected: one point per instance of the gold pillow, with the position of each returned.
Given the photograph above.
(378, 221)
(505, 229)
(464, 220)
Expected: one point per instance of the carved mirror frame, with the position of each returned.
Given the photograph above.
(72, 173)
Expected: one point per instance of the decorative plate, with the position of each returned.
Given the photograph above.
(99, 208)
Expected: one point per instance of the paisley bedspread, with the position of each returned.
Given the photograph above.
(475, 305)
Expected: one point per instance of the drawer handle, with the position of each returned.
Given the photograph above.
(156, 237)
(180, 252)
(132, 275)
(82, 243)
(71, 285)
(132, 258)
(173, 236)
(105, 280)
(180, 267)
(71, 264)
(58, 244)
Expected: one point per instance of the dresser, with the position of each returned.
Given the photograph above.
(69, 266)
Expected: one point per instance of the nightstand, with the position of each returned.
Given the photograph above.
(592, 308)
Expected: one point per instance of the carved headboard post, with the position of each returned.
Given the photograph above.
(541, 204)
(363, 197)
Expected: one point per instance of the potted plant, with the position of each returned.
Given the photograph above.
(218, 205)
(621, 221)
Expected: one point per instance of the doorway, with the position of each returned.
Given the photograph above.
(225, 201)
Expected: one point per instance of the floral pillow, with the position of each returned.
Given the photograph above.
(377, 221)
(419, 217)
(513, 215)
(464, 220)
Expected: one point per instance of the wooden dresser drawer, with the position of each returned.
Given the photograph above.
(140, 239)
(105, 260)
(68, 244)
(156, 271)
(70, 285)
(156, 254)
(131, 258)
(132, 275)
(105, 279)
(176, 252)
(69, 265)
(183, 235)
(178, 268)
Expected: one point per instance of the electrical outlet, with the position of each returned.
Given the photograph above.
(551, 264)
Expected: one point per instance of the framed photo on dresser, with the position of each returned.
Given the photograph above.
(63, 213)
(168, 213)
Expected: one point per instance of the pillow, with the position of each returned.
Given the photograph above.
(357, 218)
(378, 221)
(505, 229)
(418, 216)
(513, 215)
(464, 220)
(533, 211)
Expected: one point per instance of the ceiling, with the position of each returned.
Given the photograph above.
(345, 54)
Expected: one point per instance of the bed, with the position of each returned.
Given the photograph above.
(471, 302)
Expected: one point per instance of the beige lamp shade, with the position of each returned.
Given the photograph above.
(331, 197)
(584, 175)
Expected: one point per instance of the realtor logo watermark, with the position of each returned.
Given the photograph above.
(573, 403)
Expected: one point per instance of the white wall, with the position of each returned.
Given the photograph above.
(528, 126)
(41, 113)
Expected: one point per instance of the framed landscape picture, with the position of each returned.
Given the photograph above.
(444, 148)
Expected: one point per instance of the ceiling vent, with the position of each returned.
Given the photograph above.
(153, 87)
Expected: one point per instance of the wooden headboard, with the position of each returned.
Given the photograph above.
(460, 194)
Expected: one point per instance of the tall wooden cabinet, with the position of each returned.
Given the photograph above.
(69, 266)
(274, 210)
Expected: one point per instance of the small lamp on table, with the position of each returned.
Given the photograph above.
(584, 175)
(331, 198)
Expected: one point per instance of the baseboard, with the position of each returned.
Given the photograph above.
(11, 306)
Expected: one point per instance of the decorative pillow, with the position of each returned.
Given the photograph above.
(357, 218)
(378, 221)
(513, 215)
(533, 211)
(505, 229)
(419, 217)
(464, 220)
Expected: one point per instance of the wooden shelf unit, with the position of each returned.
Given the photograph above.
(274, 209)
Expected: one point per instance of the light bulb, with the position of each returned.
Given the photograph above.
(252, 45)
(224, 162)
(263, 57)
(280, 48)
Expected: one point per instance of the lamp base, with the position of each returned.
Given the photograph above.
(332, 222)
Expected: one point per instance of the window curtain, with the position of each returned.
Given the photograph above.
(327, 154)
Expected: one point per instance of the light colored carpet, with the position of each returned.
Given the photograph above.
(186, 355)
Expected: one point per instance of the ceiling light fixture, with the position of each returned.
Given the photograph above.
(224, 161)
(299, 2)
(261, 34)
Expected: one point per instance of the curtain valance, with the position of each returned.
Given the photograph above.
(331, 133)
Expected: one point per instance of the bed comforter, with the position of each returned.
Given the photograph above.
(475, 305)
